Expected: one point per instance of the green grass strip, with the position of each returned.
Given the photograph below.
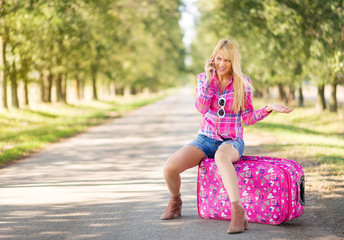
(25, 131)
(304, 135)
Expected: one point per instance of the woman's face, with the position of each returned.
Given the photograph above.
(223, 66)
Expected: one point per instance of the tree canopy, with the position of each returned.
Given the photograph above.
(283, 42)
(124, 44)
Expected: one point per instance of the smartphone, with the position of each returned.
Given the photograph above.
(212, 64)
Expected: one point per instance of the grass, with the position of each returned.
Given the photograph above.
(315, 140)
(25, 131)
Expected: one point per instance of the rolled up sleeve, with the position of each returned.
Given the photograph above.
(204, 93)
(249, 115)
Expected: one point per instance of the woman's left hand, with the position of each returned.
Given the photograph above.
(278, 108)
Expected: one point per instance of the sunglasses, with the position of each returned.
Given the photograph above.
(221, 111)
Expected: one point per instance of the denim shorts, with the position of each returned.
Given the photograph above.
(209, 146)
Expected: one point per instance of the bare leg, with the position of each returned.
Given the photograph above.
(187, 157)
(224, 158)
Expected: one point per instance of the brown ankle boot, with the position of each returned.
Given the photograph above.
(174, 208)
(239, 221)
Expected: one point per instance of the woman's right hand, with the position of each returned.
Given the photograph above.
(209, 68)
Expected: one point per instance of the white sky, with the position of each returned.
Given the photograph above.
(189, 14)
(187, 21)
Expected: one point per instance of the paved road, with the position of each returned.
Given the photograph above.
(107, 183)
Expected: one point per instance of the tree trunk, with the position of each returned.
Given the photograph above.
(59, 95)
(281, 92)
(26, 92)
(42, 87)
(291, 95)
(119, 90)
(94, 69)
(258, 93)
(265, 93)
(321, 102)
(64, 88)
(14, 83)
(14, 86)
(301, 100)
(133, 90)
(49, 87)
(78, 87)
(23, 73)
(3, 69)
(333, 98)
(94, 85)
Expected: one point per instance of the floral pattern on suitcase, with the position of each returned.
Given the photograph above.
(264, 190)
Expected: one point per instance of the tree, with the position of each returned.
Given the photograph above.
(105, 42)
(281, 39)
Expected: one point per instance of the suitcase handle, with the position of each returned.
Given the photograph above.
(302, 191)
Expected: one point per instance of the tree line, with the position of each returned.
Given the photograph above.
(128, 46)
(125, 45)
(282, 42)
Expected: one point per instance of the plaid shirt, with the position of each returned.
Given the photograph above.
(229, 127)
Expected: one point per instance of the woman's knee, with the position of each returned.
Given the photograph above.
(171, 167)
(169, 170)
(185, 158)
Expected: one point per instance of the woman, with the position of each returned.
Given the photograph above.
(224, 98)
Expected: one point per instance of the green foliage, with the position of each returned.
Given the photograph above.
(23, 131)
(280, 41)
(137, 44)
(304, 135)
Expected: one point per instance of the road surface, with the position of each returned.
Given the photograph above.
(107, 183)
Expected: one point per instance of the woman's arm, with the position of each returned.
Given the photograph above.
(205, 90)
(249, 115)
(204, 93)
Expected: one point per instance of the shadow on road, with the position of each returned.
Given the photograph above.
(107, 183)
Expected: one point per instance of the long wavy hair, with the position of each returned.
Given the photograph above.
(240, 83)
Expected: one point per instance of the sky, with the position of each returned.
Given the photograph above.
(189, 14)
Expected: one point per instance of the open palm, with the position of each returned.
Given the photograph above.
(278, 108)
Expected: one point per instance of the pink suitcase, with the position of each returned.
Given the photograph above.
(271, 190)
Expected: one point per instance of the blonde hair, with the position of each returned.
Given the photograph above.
(240, 83)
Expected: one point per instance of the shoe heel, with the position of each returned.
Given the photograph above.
(174, 209)
(179, 212)
(246, 225)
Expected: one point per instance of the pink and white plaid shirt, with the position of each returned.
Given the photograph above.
(208, 94)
